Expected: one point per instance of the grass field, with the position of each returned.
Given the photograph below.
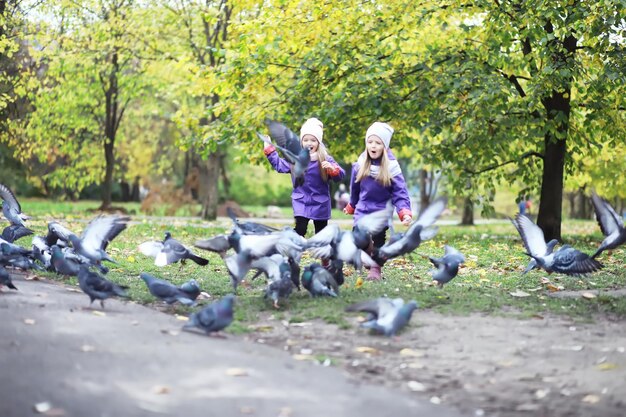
(492, 272)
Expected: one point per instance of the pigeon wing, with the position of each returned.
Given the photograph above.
(607, 218)
(151, 248)
(217, 243)
(375, 222)
(531, 235)
(9, 198)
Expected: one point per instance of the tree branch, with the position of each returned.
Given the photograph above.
(496, 166)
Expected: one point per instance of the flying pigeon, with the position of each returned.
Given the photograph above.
(14, 232)
(169, 251)
(532, 264)
(447, 266)
(166, 291)
(96, 237)
(249, 228)
(610, 224)
(289, 145)
(5, 278)
(386, 316)
(418, 232)
(318, 281)
(97, 287)
(214, 317)
(63, 265)
(566, 260)
(11, 207)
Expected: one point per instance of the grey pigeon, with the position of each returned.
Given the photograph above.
(5, 278)
(282, 287)
(15, 232)
(289, 145)
(249, 228)
(566, 260)
(319, 282)
(41, 252)
(610, 223)
(166, 291)
(238, 265)
(169, 251)
(447, 266)
(58, 235)
(532, 264)
(97, 287)
(332, 243)
(96, 237)
(386, 316)
(418, 232)
(191, 288)
(63, 265)
(11, 207)
(214, 317)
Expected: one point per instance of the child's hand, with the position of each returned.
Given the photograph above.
(348, 209)
(406, 220)
(327, 165)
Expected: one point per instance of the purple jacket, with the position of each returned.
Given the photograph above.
(369, 195)
(311, 199)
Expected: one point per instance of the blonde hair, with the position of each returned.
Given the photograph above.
(383, 177)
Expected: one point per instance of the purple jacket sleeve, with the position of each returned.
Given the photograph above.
(355, 187)
(278, 163)
(399, 193)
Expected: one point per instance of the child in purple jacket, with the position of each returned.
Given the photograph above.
(311, 200)
(376, 178)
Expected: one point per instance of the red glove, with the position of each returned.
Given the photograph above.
(348, 209)
(334, 171)
(269, 149)
(404, 213)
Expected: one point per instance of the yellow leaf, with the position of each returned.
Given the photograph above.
(236, 372)
(358, 283)
(367, 349)
(98, 313)
(588, 295)
(606, 366)
(181, 318)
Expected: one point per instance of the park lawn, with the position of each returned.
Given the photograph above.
(494, 255)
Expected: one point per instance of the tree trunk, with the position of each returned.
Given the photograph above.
(134, 194)
(125, 189)
(107, 185)
(209, 175)
(424, 195)
(468, 212)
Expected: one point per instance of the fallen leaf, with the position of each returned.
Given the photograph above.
(161, 389)
(553, 288)
(42, 407)
(541, 393)
(606, 366)
(358, 283)
(87, 348)
(435, 400)
(367, 349)
(411, 352)
(32, 278)
(416, 386)
(29, 321)
(236, 372)
(300, 357)
(591, 399)
(306, 351)
(131, 259)
(204, 296)
(263, 328)
(519, 293)
(170, 332)
(182, 318)
(588, 295)
(98, 313)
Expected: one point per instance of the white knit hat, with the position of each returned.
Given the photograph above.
(313, 127)
(382, 130)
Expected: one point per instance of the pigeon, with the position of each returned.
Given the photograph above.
(41, 252)
(191, 288)
(418, 232)
(447, 266)
(566, 260)
(166, 291)
(249, 228)
(97, 235)
(610, 223)
(386, 316)
(214, 317)
(169, 251)
(5, 278)
(289, 145)
(318, 281)
(57, 235)
(63, 265)
(15, 232)
(282, 287)
(218, 244)
(238, 265)
(97, 287)
(349, 246)
(532, 264)
(11, 207)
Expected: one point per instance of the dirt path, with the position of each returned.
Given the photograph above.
(492, 366)
(131, 360)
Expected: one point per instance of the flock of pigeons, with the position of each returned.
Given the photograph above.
(277, 255)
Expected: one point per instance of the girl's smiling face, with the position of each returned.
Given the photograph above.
(309, 141)
(375, 147)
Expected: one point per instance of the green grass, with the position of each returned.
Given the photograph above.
(494, 256)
